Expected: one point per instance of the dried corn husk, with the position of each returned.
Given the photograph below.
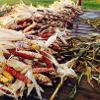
(8, 34)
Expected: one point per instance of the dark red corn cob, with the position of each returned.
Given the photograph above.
(20, 54)
(46, 60)
(18, 75)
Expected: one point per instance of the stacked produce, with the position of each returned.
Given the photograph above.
(23, 62)
(41, 22)
(33, 43)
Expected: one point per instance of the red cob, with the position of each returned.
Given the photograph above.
(20, 54)
(18, 75)
(49, 68)
(46, 60)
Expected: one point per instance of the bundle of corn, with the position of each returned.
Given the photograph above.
(29, 38)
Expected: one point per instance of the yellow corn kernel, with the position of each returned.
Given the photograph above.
(8, 75)
(3, 79)
(35, 47)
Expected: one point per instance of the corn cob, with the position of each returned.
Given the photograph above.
(8, 75)
(18, 75)
(3, 79)
(20, 54)
(43, 79)
(42, 70)
(35, 47)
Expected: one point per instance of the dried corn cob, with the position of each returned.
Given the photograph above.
(43, 79)
(20, 54)
(35, 47)
(42, 70)
(8, 75)
(18, 75)
(3, 79)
